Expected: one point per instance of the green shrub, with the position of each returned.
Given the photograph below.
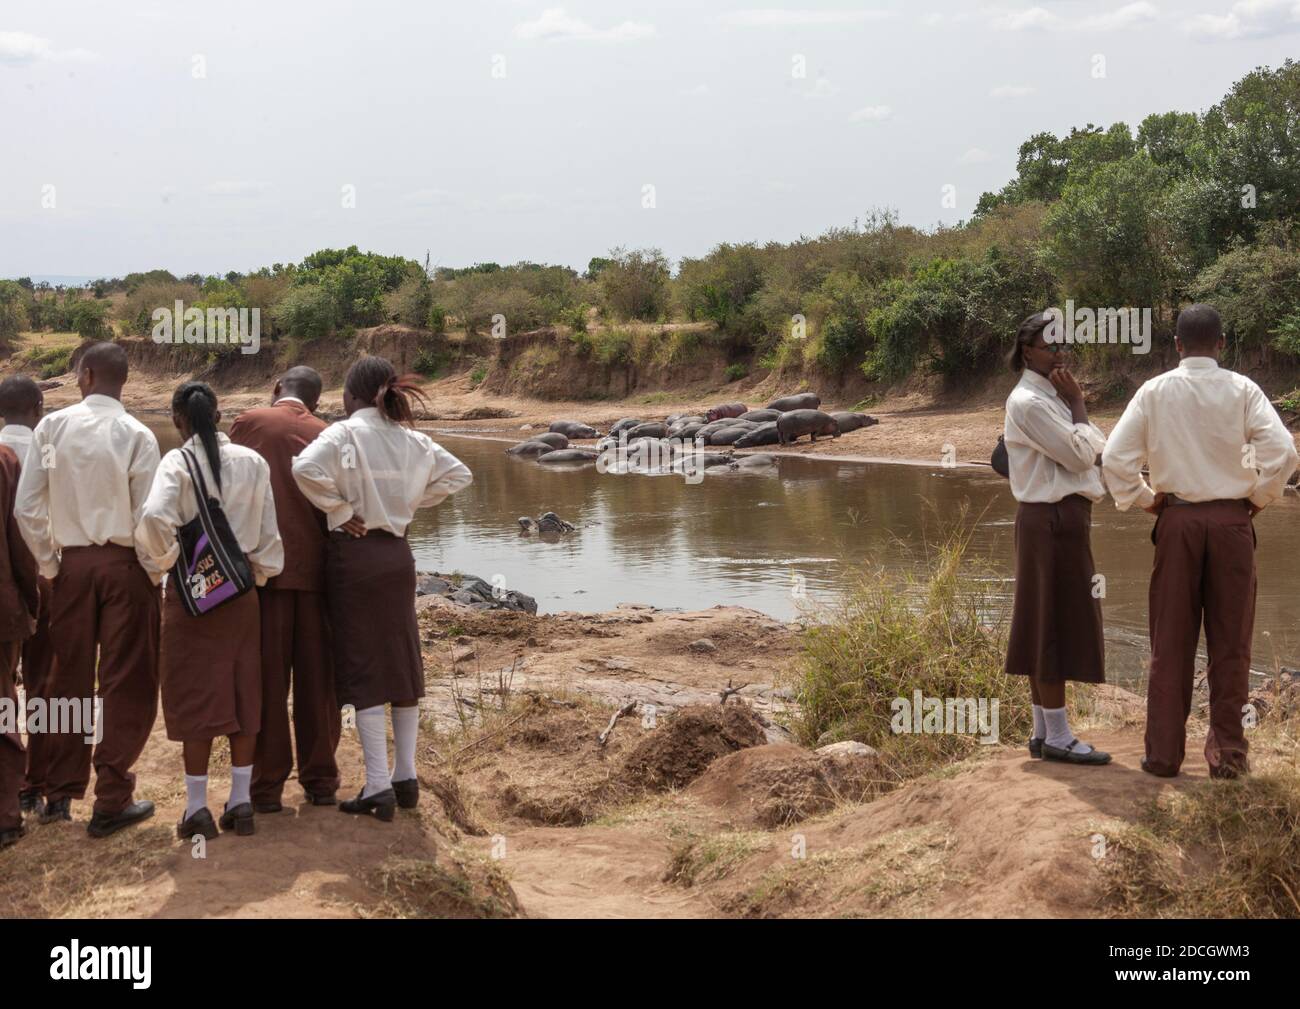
(307, 312)
(735, 372)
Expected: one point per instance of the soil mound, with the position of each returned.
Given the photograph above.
(680, 751)
(778, 784)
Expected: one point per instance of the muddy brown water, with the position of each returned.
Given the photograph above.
(757, 540)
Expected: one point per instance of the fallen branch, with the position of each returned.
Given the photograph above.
(626, 709)
(729, 690)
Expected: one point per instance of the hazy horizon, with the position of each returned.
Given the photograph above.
(209, 141)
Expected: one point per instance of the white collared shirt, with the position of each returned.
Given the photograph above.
(1206, 433)
(89, 469)
(245, 498)
(1049, 456)
(369, 466)
(18, 437)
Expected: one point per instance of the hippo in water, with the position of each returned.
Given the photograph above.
(569, 455)
(796, 423)
(530, 449)
(627, 423)
(725, 410)
(552, 438)
(764, 434)
(574, 429)
(852, 421)
(548, 523)
(803, 401)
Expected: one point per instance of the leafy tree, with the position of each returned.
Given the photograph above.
(635, 284)
(87, 319)
(13, 312)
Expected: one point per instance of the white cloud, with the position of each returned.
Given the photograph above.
(236, 187)
(699, 91)
(1123, 17)
(871, 114)
(18, 49)
(1016, 19)
(556, 23)
(823, 87)
(1010, 91)
(430, 198)
(779, 18)
(1248, 19)
(975, 156)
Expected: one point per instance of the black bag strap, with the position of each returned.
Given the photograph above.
(219, 545)
(196, 478)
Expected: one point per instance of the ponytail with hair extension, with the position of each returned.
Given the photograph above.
(1025, 335)
(197, 403)
(375, 381)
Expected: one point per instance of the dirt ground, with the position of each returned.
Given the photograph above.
(524, 813)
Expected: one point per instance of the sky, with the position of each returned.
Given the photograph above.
(205, 137)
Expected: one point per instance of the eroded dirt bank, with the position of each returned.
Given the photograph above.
(691, 807)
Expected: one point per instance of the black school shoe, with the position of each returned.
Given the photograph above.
(407, 792)
(267, 806)
(1035, 748)
(59, 809)
(239, 819)
(1067, 754)
(101, 824)
(321, 798)
(31, 803)
(200, 823)
(382, 805)
(8, 837)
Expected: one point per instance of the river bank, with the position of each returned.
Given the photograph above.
(691, 808)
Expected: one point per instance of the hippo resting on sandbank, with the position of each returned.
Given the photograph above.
(763, 434)
(625, 424)
(797, 423)
(653, 429)
(569, 455)
(725, 410)
(762, 416)
(574, 429)
(852, 421)
(803, 401)
(726, 435)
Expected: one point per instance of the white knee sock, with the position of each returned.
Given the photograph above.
(196, 793)
(374, 747)
(406, 725)
(1058, 731)
(1040, 723)
(240, 780)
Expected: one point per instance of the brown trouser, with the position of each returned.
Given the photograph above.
(104, 608)
(38, 661)
(296, 650)
(12, 757)
(1204, 569)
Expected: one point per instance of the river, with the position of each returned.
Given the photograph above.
(753, 540)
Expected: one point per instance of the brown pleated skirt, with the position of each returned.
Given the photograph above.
(370, 591)
(211, 669)
(1056, 631)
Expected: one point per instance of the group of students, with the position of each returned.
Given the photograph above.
(1217, 454)
(92, 523)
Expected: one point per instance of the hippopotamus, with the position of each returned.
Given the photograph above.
(552, 523)
(530, 448)
(755, 460)
(574, 429)
(675, 427)
(653, 429)
(685, 432)
(764, 434)
(569, 455)
(726, 435)
(802, 401)
(625, 424)
(699, 461)
(852, 421)
(762, 416)
(552, 438)
(725, 410)
(795, 423)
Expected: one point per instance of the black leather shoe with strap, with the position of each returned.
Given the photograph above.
(1069, 755)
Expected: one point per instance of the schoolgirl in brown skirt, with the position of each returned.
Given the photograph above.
(210, 664)
(1052, 455)
(369, 474)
